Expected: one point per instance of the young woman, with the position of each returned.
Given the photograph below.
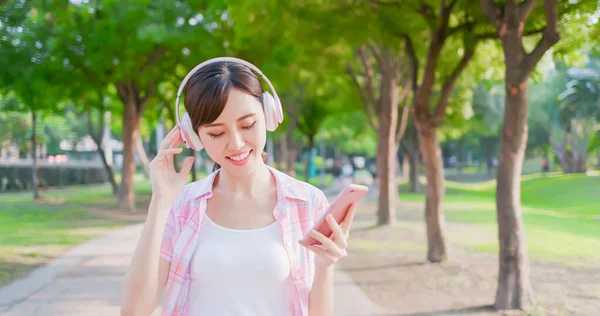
(229, 244)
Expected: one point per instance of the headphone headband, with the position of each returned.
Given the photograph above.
(232, 60)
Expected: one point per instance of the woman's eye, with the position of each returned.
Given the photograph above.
(215, 135)
(249, 127)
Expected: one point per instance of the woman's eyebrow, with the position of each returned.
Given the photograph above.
(241, 118)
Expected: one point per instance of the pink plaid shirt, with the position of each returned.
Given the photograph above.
(298, 205)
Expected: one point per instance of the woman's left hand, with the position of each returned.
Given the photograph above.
(332, 249)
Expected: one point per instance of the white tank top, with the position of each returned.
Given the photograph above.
(240, 272)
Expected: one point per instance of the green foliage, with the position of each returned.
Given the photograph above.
(553, 222)
(350, 132)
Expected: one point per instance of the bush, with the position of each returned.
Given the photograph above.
(18, 176)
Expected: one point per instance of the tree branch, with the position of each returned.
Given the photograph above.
(369, 76)
(461, 27)
(485, 36)
(404, 115)
(376, 53)
(386, 3)
(427, 12)
(149, 92)
(366, 103)
(448, 86)
(414, 61)
(490, 9)
(158, 53)
(423, 93)
(550, 37)
(451, 5)
(122, 91)
(525, 9)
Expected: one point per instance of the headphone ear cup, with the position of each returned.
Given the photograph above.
(189, 137)
(270, 112)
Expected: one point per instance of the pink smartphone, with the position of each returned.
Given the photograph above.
(352, 193)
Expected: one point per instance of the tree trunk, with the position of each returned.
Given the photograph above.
(405, 166)
(598, 158)
(410, 144)
(514, 287)
(109, 171)
(488, 154)
(130, 135)
(560, 150)
(98, 138)
(386, 148)
(36, 192)
(434, 213)
(414, 172)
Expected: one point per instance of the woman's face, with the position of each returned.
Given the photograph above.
(236, 139)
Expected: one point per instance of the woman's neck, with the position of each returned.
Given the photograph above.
(251, 186)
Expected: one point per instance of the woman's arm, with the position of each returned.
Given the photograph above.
(320, 300)
(147, 274)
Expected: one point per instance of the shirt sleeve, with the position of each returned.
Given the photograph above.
(321, 204)
(166, 245)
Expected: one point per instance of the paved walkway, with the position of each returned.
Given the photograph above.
(86, 281)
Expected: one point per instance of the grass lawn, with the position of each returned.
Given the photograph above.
(31, 233)
(561, 214)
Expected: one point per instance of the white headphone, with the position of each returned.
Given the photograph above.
(271, 105)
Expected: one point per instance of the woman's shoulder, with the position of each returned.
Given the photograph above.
(192, 193)
(298, 188)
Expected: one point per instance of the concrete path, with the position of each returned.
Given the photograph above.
(86, 281)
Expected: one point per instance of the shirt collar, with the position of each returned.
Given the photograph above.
(290, 187)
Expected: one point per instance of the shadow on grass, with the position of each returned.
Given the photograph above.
(459, 311)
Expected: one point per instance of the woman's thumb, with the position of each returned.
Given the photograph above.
(187, 165)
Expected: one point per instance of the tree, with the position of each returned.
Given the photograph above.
(130, 47)
(514, 287)
(26, 67)
(382, 111)
(441, 36)
(410, 145)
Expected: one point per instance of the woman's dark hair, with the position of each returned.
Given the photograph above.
(207, 91)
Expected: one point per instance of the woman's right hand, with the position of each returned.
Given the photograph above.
(167, 183)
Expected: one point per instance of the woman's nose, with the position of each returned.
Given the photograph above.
(237, 141)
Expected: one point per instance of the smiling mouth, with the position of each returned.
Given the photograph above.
(240, 157)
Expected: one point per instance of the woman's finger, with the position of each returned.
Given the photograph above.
(331, 246)
(340, 235)
(347, 222)
(168, 140)
(169, 152)
(321, 252)
(176, 141)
